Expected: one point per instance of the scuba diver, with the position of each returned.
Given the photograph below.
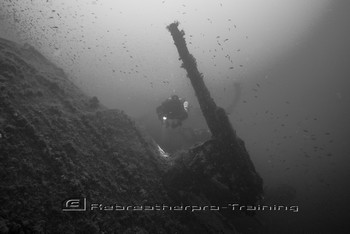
(173, 111)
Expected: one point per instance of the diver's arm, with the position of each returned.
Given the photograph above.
(160, 111)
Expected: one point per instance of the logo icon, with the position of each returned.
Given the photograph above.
(74, 204)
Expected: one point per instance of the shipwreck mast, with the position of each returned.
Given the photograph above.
(216, 118)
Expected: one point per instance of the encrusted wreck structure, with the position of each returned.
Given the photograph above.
(57, 143)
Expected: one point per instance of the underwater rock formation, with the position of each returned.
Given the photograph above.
(220, 169)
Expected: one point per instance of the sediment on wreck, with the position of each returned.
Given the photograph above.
(221, 168)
